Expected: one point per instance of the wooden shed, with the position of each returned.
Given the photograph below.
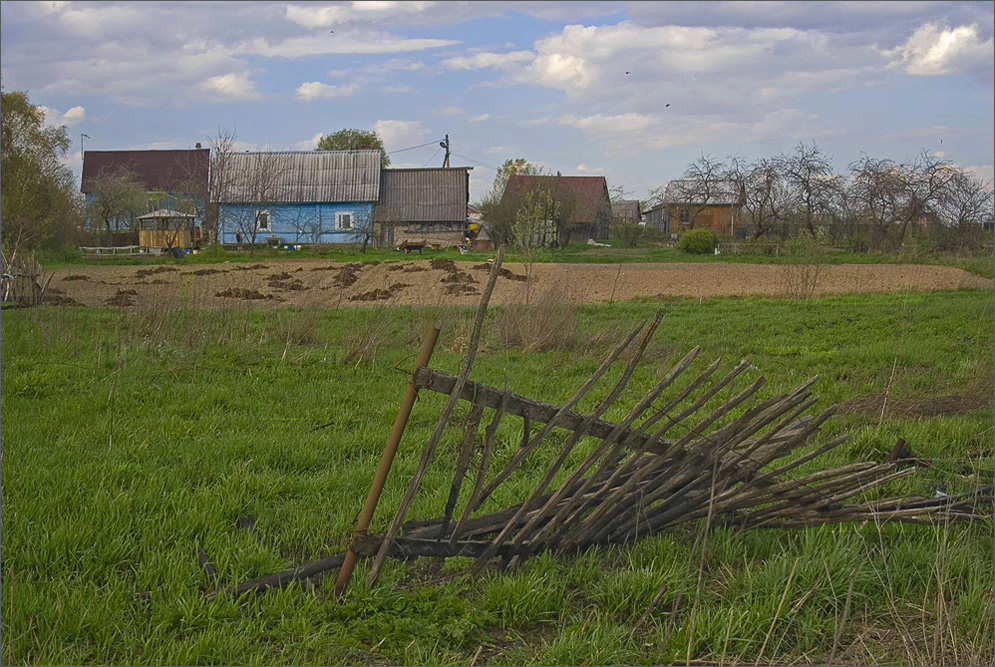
(166, 229)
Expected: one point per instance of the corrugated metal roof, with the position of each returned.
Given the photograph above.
(302, 177)
(720, 193)
(169, 170)
(423, 195)
(584, 196)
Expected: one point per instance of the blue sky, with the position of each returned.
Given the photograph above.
(577, 87)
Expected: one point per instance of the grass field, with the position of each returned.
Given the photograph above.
(130, 439)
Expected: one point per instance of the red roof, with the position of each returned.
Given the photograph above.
(169, 170)
(580, 197)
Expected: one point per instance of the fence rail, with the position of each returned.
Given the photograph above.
(114, 252)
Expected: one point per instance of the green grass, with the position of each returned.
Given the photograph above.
(130, 439)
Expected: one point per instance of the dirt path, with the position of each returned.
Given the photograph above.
(444, 282)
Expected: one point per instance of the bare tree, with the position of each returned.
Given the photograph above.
(252, 188)
(809, 172)
(764, 193)
(117, 199)
(222, 147)
(696, 189)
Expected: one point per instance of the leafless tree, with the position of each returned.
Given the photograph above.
(809, 173)
(764, 192)
(222, 147)
(696, 188)
(251, 188)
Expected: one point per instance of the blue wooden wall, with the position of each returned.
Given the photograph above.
(296, 223)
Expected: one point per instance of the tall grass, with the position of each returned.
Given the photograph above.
(130, 439)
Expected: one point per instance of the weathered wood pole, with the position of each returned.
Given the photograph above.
(386, 460)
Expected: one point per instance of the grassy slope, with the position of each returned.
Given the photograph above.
(130, 439)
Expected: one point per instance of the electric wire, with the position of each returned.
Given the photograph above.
(433, 157)
(411, 148)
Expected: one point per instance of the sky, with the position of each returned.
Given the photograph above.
(633, 91)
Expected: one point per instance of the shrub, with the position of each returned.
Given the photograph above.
(698, 241)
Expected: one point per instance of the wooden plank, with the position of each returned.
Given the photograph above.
(520, 406)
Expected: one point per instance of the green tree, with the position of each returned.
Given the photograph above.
(38, 197)
(353, 139)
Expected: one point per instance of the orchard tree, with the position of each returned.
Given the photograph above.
(810, 175)
(353, 139)
(39, 202)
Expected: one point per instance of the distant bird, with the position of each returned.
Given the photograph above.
(332, 32)
(667, 106)
(628, 72)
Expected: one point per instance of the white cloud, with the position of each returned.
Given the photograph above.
(234, 85)
(934, 50)
(452, 111)
(983, 172)
(584, 168)
(496, 150)
(308, 144)
(71, 117)
(484, 60)
(329, 17)
(398, 134)
(312, 90)
(370, 43)
(397, 89)
(479, 119)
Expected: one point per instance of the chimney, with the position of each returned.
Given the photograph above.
(365, 147)
(197, 145)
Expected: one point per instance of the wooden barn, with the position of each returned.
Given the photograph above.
(429, 205)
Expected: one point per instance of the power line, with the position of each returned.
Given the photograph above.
(401, 150)
(482, 164)
(433, 157)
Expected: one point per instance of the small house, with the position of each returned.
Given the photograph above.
(584, 209)
(429, 205)
(688, 204)
(299, 197)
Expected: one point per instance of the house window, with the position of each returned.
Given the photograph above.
(684, 217)
(343, 220)
(262, 221)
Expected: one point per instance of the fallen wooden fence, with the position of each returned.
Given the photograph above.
(680, 454)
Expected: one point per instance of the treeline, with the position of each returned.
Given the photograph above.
(872, 204)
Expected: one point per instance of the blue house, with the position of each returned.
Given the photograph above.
(297, 197)
(172, 179)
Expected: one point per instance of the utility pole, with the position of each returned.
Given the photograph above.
(445, 144)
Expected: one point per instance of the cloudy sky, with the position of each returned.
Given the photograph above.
(633, 91)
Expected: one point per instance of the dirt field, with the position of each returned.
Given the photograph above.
(442, 281)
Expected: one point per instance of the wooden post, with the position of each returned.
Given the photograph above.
(390, 449)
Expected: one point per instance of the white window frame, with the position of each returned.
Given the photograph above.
(264, 215)
(345, 214)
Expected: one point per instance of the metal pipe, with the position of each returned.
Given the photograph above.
(390, 449)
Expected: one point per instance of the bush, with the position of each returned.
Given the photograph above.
(698, 241)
